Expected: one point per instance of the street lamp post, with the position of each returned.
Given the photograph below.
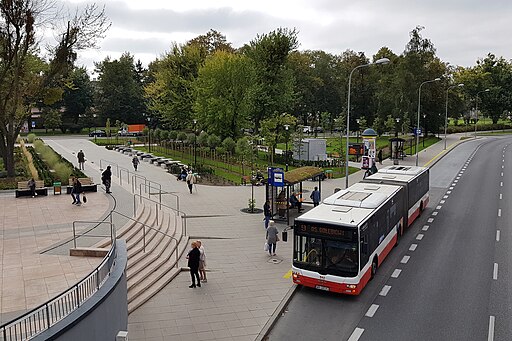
(377, 62)
(446, 112)
(149, 134)
(286, 127)
(419, 107)
(476, 110)
(397, 125)
(195, 144)
(424, 128)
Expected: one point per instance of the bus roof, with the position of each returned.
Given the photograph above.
(352, 206)
(404, 170)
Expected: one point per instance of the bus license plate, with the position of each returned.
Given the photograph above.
(321, 287)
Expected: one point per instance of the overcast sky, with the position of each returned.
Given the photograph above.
(461, 30)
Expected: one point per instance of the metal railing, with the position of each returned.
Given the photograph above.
(179, 214)
(48, 314)
(159, 193)
(119, 171)
(152, 228)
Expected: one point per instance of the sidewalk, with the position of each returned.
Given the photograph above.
(245, 286)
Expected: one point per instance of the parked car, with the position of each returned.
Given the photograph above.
(319, 130)
(98, 133)
(307, 130)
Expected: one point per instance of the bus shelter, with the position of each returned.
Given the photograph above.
(279, 194)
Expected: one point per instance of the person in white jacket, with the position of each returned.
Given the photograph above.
(202, 261)
(191, 180)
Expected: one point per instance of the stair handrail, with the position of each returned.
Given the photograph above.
(182, 214)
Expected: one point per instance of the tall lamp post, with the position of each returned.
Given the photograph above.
(476, 110)
(195, 143)
(419, 107)
(377, 62)
(286, 127)
(149, 134)
(446, 112)
(397, 125)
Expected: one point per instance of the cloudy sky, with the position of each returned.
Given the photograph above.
(461, 30)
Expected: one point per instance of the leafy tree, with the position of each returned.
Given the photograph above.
(379, 125)
(191, 138)
(78, 96)
(182, 136)
(223, 93)
(211, 42)
(120, 93)
(170, 94)
(202, 139)
(272, 130)
(274, 91)
(244, 150)
(52, 118)
(229, 144)
(24, 78)
(213, 141)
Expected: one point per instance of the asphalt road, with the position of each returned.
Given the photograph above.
(453, 286)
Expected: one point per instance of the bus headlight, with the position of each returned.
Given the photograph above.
(351, 286)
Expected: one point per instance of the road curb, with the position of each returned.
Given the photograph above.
(277, 314)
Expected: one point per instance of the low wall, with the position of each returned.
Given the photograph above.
(103, 315)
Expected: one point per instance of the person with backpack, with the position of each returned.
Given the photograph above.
(106, 179)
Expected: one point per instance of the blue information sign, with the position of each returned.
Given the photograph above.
(276, 177)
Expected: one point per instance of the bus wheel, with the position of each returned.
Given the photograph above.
(374, 268)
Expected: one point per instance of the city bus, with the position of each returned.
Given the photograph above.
(415, 181)
(339, 244)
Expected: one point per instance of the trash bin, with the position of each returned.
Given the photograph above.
(57, 188)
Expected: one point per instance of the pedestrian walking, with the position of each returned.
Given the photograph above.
(272, 238)
(135, 162)
(75, 192)
(81, 159)
(379, 155)
(202, 261)
(191, 180)
(32, 186)
(106, 179)
(267, 213)
(193, 257)
(315, 196)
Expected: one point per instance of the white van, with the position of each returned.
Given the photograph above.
(307, 130)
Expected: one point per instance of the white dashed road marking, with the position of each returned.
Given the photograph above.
(495, 271)
(385, 290)
(490, 337)
(356, 334)
(498, 235)
(435, 213)
(439, 207)
(442, 201)
(372, 310)
(429, 220)
(396, 273)
(501, 196)
(405, 259)
(419, 236)
(425, 228)
(499, 212)
(413, 247)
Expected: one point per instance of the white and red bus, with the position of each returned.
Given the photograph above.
(415, 181)
(339, 244)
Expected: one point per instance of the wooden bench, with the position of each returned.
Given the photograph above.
(24, 190)
(87, 185)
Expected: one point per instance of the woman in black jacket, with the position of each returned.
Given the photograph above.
(193, 263)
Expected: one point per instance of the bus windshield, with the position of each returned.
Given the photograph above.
(327, 256)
